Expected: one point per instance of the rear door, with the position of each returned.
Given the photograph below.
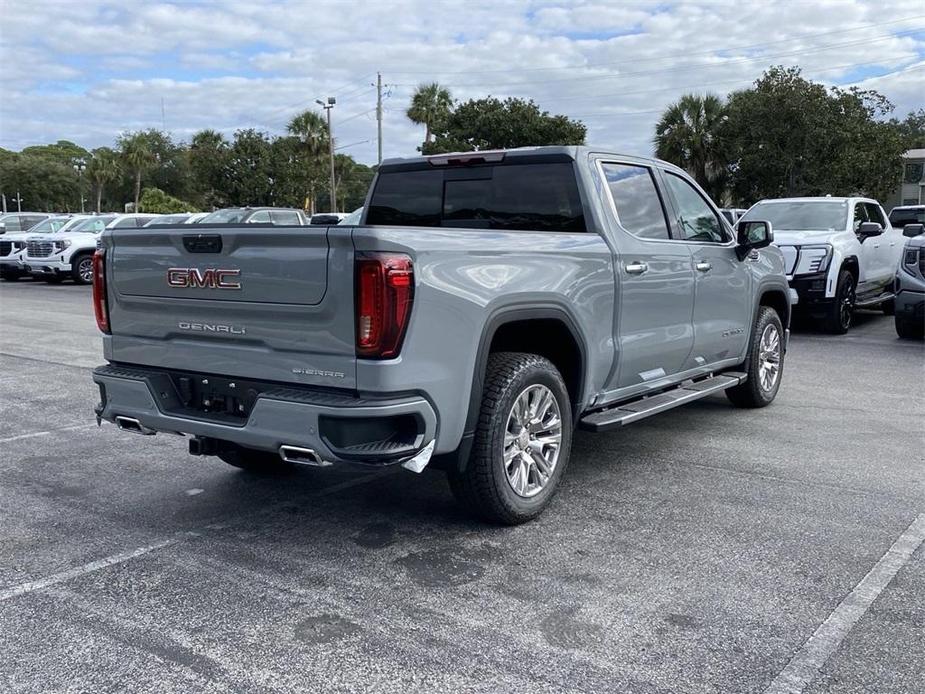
(270, 304)
(653, 330)
(722, 307)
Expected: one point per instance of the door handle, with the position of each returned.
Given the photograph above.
(636, 268)
(703, 267)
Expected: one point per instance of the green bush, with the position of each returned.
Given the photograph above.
(157, 201)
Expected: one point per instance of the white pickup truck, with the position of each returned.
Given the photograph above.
(839, 253)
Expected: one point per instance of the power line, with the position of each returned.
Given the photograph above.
(685, 54)
(686, 68)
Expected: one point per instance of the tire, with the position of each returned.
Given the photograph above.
(839, 317)
(909, 330)
(252, 460)
(518, 491)
(8, 276)
(765, 363)
(888, 307)
(82, 268)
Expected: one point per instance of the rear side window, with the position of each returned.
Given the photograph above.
(513, 197)
(635, 196)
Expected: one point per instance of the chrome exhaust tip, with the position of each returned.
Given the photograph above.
(302, 456)
(132, 425)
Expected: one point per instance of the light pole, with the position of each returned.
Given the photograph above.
(80, 167)
(327, 107)
(18, 199)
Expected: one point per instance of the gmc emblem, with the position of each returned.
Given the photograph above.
(210, 278)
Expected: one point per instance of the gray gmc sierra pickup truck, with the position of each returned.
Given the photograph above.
(486, 305)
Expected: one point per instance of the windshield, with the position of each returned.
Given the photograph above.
(911, 215)
(94, 225)
(50, 226)
(230, 216)
(168, 219)
(801, 216)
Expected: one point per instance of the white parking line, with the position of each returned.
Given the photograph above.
(805, 665)
(30, 586)
(121, 557)
(34, 434)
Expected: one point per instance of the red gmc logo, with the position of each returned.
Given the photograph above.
(210, 278)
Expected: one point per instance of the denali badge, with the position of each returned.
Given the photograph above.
(210, 278)
(211, 328)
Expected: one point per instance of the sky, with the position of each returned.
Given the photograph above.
(87, 70)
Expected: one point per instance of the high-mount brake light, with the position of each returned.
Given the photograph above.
(466, 158)
(100, 301)
(384, 296)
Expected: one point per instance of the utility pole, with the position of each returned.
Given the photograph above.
(18, 201)
(327, 107)
(379, 114)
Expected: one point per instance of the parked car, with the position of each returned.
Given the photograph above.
(196, 217)
(491, 300)
(327, 218)
(68, 254)
(353, 218)
(165, 219)
(840, 254)
(14, 222)
(907, 214)
(13, 245)
(280, 216)
(732, 214)
(910, 285)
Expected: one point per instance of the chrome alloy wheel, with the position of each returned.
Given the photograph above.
(769, 349)
(846, 306)
(85, 269)
(532, 440)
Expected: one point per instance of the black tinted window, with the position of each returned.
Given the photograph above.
(899, 218)
(636, 199)
(528, 197)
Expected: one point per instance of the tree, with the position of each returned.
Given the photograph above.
(494, 124)
(311, 130)
(788, 136)
(912, 129)
(688, 135)
(103, 168)
(430, 106)
(157, 201)
(249, 173)
(208, 160)
(138, 156)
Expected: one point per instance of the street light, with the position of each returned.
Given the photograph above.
(80, 167)
(327, 107)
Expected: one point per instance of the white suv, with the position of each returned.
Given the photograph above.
(70, 253)
(839, 254)
(13, 244)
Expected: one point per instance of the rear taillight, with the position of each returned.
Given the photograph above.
(100, 304)
(384, 294)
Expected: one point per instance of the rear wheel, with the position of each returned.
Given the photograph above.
(82, 269)
(840, 314)
(253, 460)
(765, 363)
(909, 330)
(522, 440)
(10, 275)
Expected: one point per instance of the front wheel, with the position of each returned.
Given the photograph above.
(82, 269)
(10, 275)
(908, 329)
(841, 312)
(765, 363)
(522, 440)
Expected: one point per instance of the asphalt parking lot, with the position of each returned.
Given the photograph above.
(697, 551)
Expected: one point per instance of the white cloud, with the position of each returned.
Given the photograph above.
(98, 68)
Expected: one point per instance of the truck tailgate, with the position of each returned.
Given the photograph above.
(262, 303)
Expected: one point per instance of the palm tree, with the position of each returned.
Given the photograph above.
(103, 168)
(312, 131)
(430, 105)
(138, 156)
(688, 134)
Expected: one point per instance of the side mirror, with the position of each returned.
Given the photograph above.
(752, 235)
(868, 229)
(913, 230)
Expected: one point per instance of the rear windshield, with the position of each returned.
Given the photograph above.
(229, 216)
(911, 215)
(525, 197)
(800, 215)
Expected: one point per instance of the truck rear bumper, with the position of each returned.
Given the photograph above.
(336, 427)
